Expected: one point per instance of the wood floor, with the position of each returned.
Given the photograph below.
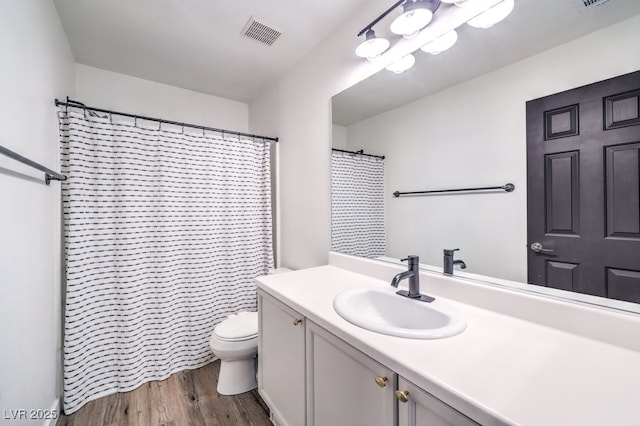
(184, 399)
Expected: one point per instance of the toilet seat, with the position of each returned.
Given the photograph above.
(237, 328)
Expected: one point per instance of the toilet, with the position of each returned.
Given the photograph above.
(235, 342)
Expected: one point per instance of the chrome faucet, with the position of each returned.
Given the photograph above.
(449, 263)
(413, 274)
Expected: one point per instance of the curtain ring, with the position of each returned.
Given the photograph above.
(203, 135)
(159, 126)
(183, 128)
(111, 118)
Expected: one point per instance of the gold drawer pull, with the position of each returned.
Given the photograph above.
(381, 381)
(297, 321)
(402, 396)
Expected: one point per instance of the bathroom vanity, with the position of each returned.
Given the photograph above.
(523, 359)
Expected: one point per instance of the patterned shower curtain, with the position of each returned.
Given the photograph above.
(164, 232)
(357, 205)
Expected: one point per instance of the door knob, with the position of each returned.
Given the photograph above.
(537, 247)
(402, 396)
(297, 321)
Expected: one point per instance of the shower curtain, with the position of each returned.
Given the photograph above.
(165, 231)
(357, 205)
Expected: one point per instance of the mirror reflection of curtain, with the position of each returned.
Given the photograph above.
(357, 205)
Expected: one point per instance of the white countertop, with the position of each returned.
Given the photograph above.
(500, 370)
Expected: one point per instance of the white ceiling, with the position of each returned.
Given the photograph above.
(532, 27)
(196, 44)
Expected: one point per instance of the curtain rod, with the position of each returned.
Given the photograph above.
(76, 104)
(360, 152)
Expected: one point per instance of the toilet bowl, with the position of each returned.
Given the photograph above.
(235, 342)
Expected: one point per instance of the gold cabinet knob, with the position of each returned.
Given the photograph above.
(297, 321)
(381, 381)
(402, 396)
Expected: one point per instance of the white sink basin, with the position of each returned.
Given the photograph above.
(383, 311)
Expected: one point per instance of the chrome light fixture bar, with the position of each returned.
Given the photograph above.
(418, 14)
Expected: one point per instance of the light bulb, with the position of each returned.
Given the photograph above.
(372, 47)
(417, 15)
(409, 23)
(493, 15)
(402, 64)
(441, 44)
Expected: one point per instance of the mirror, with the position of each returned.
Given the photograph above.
(458, 120)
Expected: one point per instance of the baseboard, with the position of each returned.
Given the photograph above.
(55, 408)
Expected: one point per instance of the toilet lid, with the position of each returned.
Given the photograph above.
(242, 326)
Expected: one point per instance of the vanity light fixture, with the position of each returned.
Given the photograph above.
(402, 64)
(416, 15)
(442, 43)
(372, 47)
(492, 16)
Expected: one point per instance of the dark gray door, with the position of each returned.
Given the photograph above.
(583, 183)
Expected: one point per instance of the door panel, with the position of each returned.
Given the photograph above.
(623, 190)
(563, 275)
(583, 189)
(622, 284)
(561, 122)
(562, 193)
(622, 110)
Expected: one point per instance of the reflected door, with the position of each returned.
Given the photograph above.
(583, 183)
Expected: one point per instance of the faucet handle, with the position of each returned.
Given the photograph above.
(449, 252)
(412, 258)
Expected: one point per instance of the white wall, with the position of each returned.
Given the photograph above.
(297, 109)
(338, 137)
(474, 134)
(119, 92)
(37, 67)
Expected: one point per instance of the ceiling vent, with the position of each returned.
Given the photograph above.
(260, 32)
(586, 4)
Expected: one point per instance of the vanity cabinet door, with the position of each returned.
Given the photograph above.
(417, 407)
(281, 361)
(344, 386)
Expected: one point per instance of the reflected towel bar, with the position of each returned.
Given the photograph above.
(509, 187)
(49, 174)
